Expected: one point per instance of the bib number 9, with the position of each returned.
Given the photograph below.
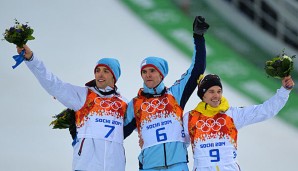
(214, 153)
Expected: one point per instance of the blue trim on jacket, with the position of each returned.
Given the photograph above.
(170, 153)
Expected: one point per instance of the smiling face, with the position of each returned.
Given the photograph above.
(213, 96)
(151, 77)
(103, 77)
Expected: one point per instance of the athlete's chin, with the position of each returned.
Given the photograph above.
(214, 104)
(101, 85)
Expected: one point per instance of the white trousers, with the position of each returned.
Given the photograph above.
(229, 167)
(98, 155)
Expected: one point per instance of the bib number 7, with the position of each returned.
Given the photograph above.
(110, 131)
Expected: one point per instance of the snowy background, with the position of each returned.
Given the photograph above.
(71, 35)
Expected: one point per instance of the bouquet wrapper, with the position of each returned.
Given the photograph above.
(19, 59)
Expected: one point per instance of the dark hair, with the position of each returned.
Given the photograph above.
(207, 82)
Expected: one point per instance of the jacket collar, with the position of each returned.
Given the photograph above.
(156, 90)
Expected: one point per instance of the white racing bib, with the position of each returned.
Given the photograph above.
(214, 152)
(103, 127)
(101, 118)
(162, 130)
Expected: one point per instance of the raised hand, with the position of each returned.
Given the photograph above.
(200, 26)
(288, 83)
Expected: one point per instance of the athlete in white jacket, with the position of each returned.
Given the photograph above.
(99, 113)
(212, 127)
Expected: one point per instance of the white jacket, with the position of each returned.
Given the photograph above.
(216, 148)
(97, 154)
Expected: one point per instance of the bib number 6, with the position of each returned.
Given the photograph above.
(161, 136)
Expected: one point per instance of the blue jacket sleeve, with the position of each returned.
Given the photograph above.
(129, 120)
(185, 86)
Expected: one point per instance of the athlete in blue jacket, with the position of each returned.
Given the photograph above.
(157, 111)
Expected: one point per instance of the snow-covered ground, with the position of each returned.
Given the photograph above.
(71, 35)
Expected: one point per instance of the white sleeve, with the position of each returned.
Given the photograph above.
(185, 127)
(243, 116)
(69, 95)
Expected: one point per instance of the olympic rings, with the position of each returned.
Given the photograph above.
(115, 105)
(156, 104)
(215, 125)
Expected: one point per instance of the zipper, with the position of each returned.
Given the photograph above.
(143, 157)
(165, 154)
(81, 147)
(141, 162)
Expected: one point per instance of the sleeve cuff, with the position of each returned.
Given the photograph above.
(30, 58)
(283, 91)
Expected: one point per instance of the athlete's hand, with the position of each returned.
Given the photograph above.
(200, 26)
(288, 83)
(28, 53)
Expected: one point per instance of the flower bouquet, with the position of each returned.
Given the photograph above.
(19, 34)
(280, 66)
(64, 120)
